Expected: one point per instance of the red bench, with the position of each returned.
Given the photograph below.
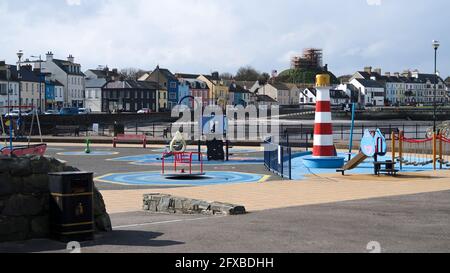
(121, 138)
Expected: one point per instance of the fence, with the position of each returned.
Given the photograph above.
(278, 159)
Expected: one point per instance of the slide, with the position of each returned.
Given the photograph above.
(353, 163)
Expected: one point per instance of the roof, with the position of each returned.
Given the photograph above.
(95, 83)
(264, 98)
(64, 65)
(165, 72)
(234, 87)
(338, 94)
(104, 73)
(54, 82)
(186, 76)
(197, 83)
(370, 83)
(3, 73)
(280, 86)
(434, 79)
(312, 90)
(131, 84)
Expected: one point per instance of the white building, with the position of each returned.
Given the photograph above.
(372, 92)
(308, 96)
(283, 93)
(93, 94)
(68, 73)
(8, 82)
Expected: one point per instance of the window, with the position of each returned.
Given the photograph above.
(173, 85)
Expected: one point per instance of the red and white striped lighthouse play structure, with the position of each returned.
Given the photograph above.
(324, 152)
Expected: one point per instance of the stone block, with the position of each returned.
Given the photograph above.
(5, 164)
(40, 165)
(6, 184)
(24, 205)
(21, 167)
(40, 227)
(14, 228)
(36, 183)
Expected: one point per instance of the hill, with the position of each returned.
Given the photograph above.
(306, 76)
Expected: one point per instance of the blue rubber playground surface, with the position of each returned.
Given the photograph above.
(156, 179)
(156, 160)
(299, 170)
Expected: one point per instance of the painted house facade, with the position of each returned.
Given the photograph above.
(372, 92)
(8, 84)
(93, 94)
(168, 91)
(68, 73)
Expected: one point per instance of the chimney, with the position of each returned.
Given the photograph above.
(368, 69)
(377, 70)
(71, 58)
(397, 74)
(215, 75)
(49, 56)
(388, 74)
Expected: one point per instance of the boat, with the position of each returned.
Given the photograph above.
(24, 150)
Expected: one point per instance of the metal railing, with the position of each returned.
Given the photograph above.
(278, 159)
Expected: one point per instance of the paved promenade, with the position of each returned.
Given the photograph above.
(284, 194)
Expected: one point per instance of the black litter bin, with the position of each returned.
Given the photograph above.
(71, 206)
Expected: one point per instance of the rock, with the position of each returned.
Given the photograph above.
(40, 227)
(103, 223)
(5, 164)
(102, 219)
(13, 229)
(40, 165)
(172, 204)
(6, 184)
(21, 167)
(36, 183)
(23, 205)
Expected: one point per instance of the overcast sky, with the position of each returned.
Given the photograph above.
(201, 36)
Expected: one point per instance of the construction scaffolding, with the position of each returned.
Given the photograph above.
(312, 58)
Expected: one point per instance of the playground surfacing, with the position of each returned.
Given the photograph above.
(300, 171)
(155, 178)
(152, 159)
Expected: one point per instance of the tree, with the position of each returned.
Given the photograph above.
(247, 73)
(264, 78)
(226, 76)
(131, 73)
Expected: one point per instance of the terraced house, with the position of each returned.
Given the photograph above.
(69, 74)
(8, 84)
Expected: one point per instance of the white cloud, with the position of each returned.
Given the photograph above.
(73, 2)
(201, 36)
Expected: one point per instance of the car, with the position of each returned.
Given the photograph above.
(84, 111)
(69, 111)
(144, 111)
(51, 112)
(13, 114)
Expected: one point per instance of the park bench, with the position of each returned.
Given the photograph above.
(66, 130)
(124, 138)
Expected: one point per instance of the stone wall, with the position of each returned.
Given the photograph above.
(24, 198)
(165, 203)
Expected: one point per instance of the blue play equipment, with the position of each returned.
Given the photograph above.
(373, 144)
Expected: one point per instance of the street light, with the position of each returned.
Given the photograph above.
(40, 82)
(436, 45)
(19, 76)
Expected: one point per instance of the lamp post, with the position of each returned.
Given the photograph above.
(19, 76)
(40, 82)
(436, 45)
(8, 89)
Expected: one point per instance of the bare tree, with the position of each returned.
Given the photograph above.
(131, 73)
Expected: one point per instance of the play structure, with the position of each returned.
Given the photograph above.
(177, 163)
(434, 150)
(21, 150)
(324, 152)
(373, 145)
